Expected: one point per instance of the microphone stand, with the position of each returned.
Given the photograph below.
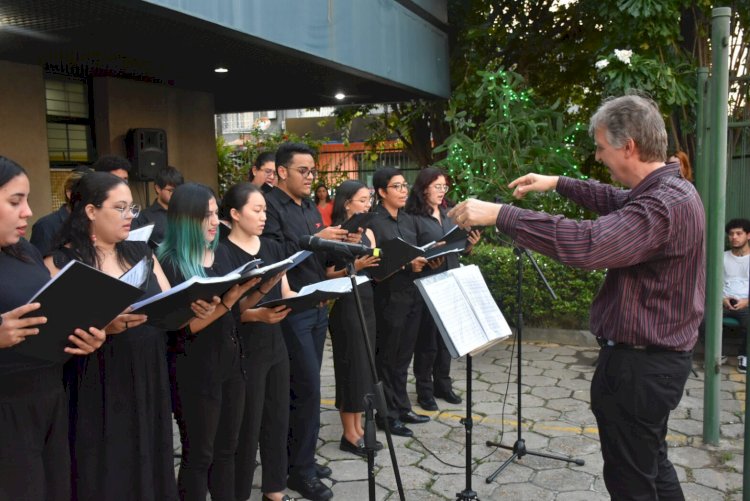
(377, 398)
(519, 447)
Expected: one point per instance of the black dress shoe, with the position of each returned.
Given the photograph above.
(397, 428)
(413, 418)
(428, 404)
(311, 488)
(449, 396)
(357, 449)
(322, 471)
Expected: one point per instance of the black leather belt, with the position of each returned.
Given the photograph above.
(606, 343)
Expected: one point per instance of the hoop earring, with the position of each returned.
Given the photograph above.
(93, 239)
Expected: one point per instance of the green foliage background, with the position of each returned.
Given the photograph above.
(575, 288)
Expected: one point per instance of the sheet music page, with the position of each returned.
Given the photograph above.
(342, 285)
(454, 311)
(138, 274)
(472, 283)
(141, 234)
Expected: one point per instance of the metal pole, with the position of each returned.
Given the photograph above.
(716, 215)
(701, 147)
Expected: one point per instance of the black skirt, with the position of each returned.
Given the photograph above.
(350, 362)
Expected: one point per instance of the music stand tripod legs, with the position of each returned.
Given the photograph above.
(519, 447)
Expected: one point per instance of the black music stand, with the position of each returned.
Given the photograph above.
(519, 447)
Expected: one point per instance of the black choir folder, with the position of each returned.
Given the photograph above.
(359, 220)
(463, 309)
(79, 296)
(170, 309)
(394, 254)
(312, 295)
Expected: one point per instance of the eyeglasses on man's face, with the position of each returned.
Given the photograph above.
(126, 210)
(305, 171)
(399, 186)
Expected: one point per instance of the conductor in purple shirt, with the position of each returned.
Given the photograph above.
(650, 239)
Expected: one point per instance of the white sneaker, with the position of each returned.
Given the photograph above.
(742, 364)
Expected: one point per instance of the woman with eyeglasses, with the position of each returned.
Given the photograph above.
(121, 428)
(263, 171)
(432, 361)
(265, 359)
(398, 305)
(210, 385)
(350, 362)
(34, 451)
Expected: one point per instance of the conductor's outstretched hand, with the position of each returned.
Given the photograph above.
(532, 182)
(473, 212)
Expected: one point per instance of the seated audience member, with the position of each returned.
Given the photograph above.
(166, 181)
(114, 164)
(263, 171)
(45, 230)
(736, 281)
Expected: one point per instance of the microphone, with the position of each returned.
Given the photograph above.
(313, 243)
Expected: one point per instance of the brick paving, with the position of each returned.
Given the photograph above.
(556, 419)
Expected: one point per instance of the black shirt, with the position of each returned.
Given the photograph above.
(157, 215)
(429, 229)
(286, 223)
(45, 230)
(213, 353)
(385, 228)
(231, 257)
(27, 278)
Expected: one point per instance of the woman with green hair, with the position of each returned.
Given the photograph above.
(210, 387)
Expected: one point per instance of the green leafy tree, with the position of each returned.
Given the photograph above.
(500, 133)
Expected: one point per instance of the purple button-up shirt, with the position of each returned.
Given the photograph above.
(651, 241)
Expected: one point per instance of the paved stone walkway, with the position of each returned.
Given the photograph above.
(556, 419)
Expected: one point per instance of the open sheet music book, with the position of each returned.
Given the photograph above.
(394, 254)
(79, 296)
(463, 309)
(311, 295)
(171, 309)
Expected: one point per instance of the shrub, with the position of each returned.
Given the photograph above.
(575, 288)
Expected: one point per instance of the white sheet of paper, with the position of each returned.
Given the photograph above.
(141, 234)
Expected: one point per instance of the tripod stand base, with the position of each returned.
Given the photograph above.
(466, 494)
(519, 450)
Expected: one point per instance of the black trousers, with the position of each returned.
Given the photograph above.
(432, 360)
(305, 335)
(398, 315)
(212, 423)
(34, 452)
(632, 393)
(742, 316)
(266, 416)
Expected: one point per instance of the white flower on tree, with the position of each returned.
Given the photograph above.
(624, 55)
(600, 65)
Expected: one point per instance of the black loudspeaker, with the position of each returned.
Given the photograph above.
(147, 152)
